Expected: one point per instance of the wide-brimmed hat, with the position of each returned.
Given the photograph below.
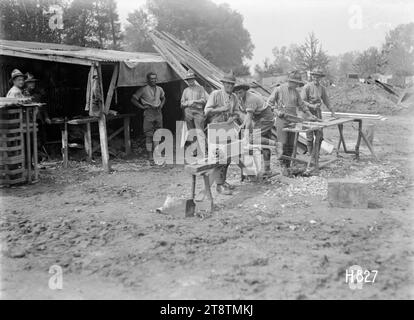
(241, 86)
(190, 75)
(16, 73)
(317, 72)
(229, 78)
(295, 76)
(30, 78)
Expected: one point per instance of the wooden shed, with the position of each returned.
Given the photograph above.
(71, 72)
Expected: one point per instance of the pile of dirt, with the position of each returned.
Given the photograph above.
(362, 98)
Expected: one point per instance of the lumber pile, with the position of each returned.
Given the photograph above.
(5, 102)
(366, 116)
(181, 57)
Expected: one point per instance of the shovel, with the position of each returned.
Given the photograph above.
(190, 204)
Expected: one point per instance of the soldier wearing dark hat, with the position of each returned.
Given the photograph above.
(17, 78)
(222, 106)
(258, 115)
(313, 95)
(193, 100)
(286, 100)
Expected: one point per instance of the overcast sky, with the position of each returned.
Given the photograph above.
(341, 25)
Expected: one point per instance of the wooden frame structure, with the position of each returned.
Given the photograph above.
(317, 129)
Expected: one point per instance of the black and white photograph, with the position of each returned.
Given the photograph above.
(223, 151)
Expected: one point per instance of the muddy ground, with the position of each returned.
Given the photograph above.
(273, 240)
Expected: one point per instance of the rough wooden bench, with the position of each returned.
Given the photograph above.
(87, 121)
(201, 170)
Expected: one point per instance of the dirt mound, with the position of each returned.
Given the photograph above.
(363, 98)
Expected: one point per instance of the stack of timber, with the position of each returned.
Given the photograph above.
(366, 116)
(181, 57)
(12, 156)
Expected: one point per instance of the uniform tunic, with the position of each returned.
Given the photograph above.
(15, 92)
(313, 96)
(217, 99)
(263, 117)
(194, 114)
(288, 100)
(151, 97)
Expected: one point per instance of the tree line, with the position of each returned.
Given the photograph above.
(216, 31)
(395, 57)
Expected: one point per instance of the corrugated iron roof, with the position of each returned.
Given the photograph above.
(8, 47)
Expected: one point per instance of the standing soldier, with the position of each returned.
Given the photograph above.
(313, 95)
(18, 84)
(151, 99)
(286, 100)
(36, 94)
(258, 116)
(222, 106)
(193, 100)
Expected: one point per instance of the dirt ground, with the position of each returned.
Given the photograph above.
(273, 240)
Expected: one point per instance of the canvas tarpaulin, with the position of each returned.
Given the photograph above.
(133, 74)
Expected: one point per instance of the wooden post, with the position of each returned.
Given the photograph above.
(64, 131)
(341, 137)
(111, 89)
(28, 147)
(295, 148)
(88, 141)
(35, 156)
(193, 186)
(127, 137)
(358, 143)
(207, 188)
(317, 148)
(103, 136)
(104, 142)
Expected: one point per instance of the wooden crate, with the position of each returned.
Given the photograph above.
(12, 154)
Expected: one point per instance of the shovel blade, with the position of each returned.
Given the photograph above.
(190, 208)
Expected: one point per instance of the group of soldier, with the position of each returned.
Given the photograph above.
(236, 102)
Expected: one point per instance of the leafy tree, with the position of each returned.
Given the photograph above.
(285, 58)
(310, 55)
(136, 32)
(28, 20)
(369, 62)
(108, 25)
(216, 31)
(347, 63)
(92, 23)
(399, 50)
(79, 21)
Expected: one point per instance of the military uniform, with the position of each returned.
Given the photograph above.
(286, 100)
(150, 97)
(220, 98)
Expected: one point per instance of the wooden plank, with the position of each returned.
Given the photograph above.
(199, 168)
(44, 57)
(127, 136)
(19, 159)
(207, 188)
(87, 135)
(28, 148)
(111, 88)
(35, 155)
(103, 137)
(65, 153)
(104, 143)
